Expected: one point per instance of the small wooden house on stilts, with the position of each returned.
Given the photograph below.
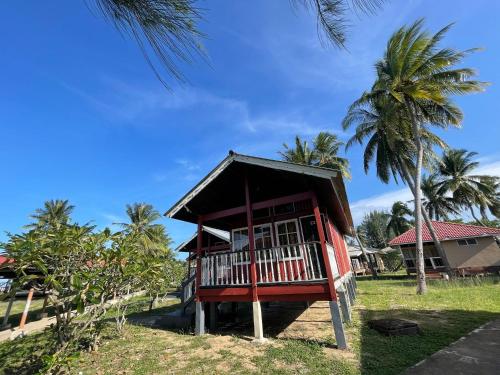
(287, 224)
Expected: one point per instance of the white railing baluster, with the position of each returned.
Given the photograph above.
(288, 263)
(305, 254)
(311, 265)
(272, 265)
(265, 265)
(297, 262)
(231, 267)
(278, 268)
(317, 260)
(284, 264)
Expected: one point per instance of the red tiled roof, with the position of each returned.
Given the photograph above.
(4, 259)
(445, 231)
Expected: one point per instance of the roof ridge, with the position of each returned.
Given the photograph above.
(464, 224)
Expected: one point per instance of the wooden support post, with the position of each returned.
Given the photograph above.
(5, 323)
(24, 317)
(251, 243)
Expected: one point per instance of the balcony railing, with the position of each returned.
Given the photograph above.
(282, 264)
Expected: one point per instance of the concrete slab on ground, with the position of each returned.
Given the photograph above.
(476, 353)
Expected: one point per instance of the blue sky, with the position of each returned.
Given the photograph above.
(83, 118)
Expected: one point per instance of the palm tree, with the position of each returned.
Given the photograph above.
(323, 154)
(435, 201)
(398, 223)
(170, 27)
(53, 214)
(419, 78)
(152, 237)
(301, 154)
(467, 190)
(492, 201)
(387, 128)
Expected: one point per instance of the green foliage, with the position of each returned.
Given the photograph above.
(436, 201)
(167, 29)
(331, 14)
(84, 269)
(398, 222)
(455, 176)
(373, 229)
(324, 153)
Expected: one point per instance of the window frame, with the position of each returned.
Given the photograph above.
(253, 228)
(472, 241)
(299, 237)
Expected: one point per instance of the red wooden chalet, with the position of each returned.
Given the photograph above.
(287, 224)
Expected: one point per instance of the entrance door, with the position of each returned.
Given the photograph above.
(288, 235)
(309, 229)
(287, 232)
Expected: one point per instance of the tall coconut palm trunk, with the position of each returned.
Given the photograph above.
(474, 215)
(421, 284)
(427, 219)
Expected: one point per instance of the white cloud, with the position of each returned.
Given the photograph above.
(492, 169)
(378, 202)
(112, 219)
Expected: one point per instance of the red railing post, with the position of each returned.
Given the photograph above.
(322, 240)
(199, 241)
(251, 243)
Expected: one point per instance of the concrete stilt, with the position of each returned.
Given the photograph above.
(345, 304)
(24, 317)
(213, 316)
(200, 319)
(5, 323)
(257, 321)
(338, 327)
(351, 291)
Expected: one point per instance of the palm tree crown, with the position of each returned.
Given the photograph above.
(398, 223)
(323, 154)
(468, 190)
(54, 213)
(435, 201)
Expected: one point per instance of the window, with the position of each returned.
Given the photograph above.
(262, 237)
(240, 239)
(284, 209)
(288, 232)
(467, 242)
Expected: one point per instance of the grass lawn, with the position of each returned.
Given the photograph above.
(446, 313)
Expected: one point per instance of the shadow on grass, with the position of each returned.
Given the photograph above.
(386, 355)
(24, 355)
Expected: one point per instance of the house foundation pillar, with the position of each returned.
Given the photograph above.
(199, 328)
(344, 303)
(5, 323)
(350, 289)
(257, 321)
(338, 327)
